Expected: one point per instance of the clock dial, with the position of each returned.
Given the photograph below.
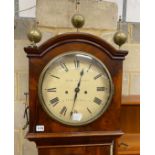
(75, 88)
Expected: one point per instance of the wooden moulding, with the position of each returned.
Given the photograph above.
(74, 139)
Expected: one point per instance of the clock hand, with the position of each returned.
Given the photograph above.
(81, 74)
(75, 96)
(78, 85)
(76, 91)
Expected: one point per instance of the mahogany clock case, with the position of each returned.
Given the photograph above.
(39, 57)
(94, 138)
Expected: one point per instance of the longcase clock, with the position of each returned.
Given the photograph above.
(75, 83)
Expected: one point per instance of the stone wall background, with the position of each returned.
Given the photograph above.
(101, 20)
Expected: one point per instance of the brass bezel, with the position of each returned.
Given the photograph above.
(42, 77)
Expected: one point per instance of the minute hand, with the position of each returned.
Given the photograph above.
(77, 90)
(81, 74)
(78, 85)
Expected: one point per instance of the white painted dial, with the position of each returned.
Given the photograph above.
(75, 88)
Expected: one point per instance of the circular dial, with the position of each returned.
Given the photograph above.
(75, 88)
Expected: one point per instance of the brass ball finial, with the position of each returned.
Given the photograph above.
(78, 20)
(120, 38)
(34, 35)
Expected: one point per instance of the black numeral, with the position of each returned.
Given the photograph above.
(97, 101)
(97, 76)
(101, 88)
(76, 63)
(54, 101)
(51, 90)
(89, 110)
(63, 65)
(55, 76)
(63, 111)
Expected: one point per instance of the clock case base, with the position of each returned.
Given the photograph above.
(91, 143)
(103, 130)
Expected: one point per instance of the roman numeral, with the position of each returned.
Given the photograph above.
(97, 101)
(63, 111)
(55, 76)
(89, 110)
(51, 90)
(63, 65)
(54, 101)
(76, 63)
(97, 76)
(101, 88)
